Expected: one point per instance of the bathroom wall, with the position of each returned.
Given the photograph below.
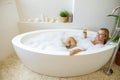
(93, 13)
(90, 14)
(48, 8)
(8, 26)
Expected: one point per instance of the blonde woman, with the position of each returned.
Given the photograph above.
(100, 39)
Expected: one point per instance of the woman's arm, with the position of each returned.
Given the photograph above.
(75, 51)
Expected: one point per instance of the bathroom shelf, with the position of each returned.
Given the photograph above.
(45, 22)
(30, 26)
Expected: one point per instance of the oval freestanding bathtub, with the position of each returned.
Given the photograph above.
(60, 64)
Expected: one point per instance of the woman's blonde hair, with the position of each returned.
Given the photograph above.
(106, 34)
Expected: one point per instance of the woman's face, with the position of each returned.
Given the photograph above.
(101, 35)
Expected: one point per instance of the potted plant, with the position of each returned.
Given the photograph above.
(64, 16)
(117, 59)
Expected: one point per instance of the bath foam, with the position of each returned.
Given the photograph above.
(53, 42)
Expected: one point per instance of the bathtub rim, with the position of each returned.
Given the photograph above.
(16, 41)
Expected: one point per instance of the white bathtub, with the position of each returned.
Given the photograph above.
(60, 65)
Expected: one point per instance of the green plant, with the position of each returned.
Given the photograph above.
(64, 13)
(116, 18)
(117, 23)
